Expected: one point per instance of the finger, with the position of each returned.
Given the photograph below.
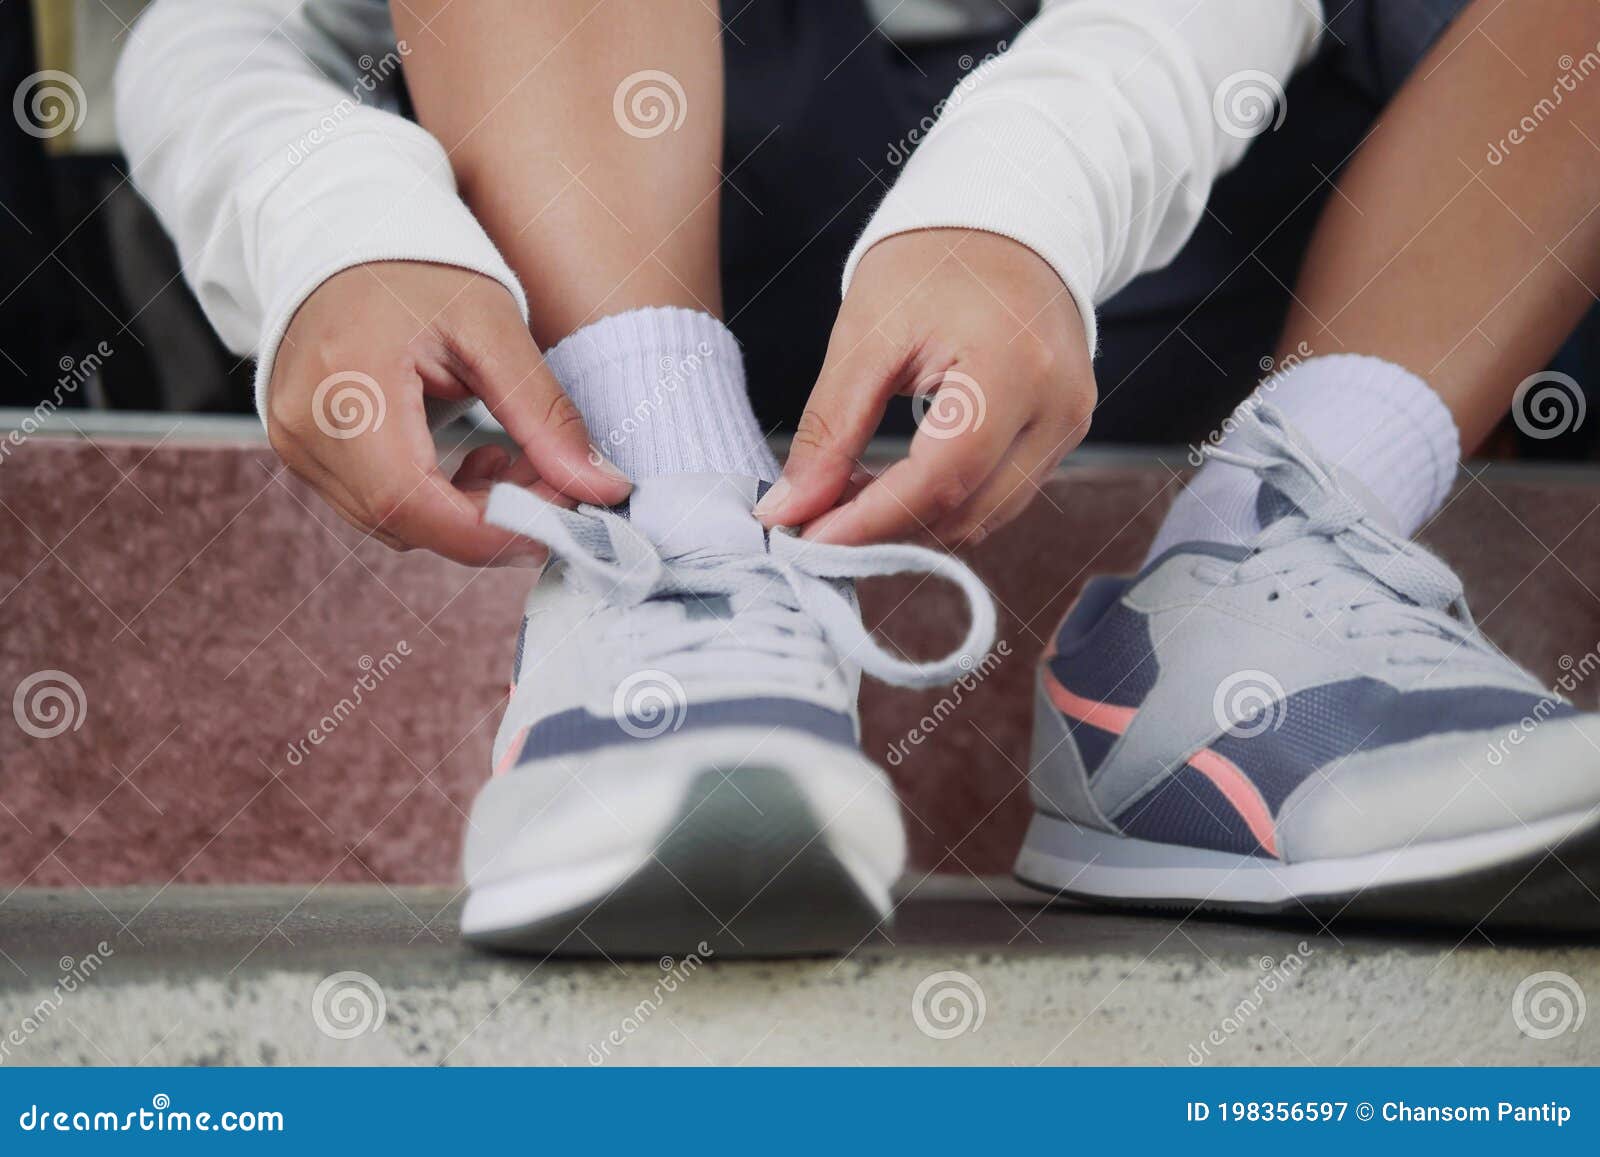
(860, 373)
(436, 516)
(906, 501)
(521, 472)
(335, 495)
(387, 476)
(860, 478)
(481, 468)
(504, 367)
(350, 516)
(947, 464)
(1018, 480)
(479, 474)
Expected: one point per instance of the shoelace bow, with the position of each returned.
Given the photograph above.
(1331, 545)
(615, 561)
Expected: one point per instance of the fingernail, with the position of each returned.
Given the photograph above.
(598, 458)
(773, 498)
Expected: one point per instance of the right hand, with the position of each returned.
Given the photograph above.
(345, 408)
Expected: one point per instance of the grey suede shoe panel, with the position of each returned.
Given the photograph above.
(1057, 780)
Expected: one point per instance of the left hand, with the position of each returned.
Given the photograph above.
(986, 338)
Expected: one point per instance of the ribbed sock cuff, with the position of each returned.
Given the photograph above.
(1218, 505)
(1368, 417)
(662, 391)
(1378, 421)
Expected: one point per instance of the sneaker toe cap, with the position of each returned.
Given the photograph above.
(1443, 787)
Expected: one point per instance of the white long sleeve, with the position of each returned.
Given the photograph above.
(1096, 138)
(258, 134)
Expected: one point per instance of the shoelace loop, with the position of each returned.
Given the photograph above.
(618, 563)
(1330, 536)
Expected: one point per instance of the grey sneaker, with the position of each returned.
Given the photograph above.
(1312, 724)
(678, 767)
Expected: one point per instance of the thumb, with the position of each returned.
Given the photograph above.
(506, 369)
(858, 377)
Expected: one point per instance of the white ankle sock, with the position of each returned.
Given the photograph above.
(662, 391)
(1370, 418)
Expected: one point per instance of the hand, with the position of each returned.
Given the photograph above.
(987, 340)
(345, 408)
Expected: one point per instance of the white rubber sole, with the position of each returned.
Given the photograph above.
(756, 845)
(1466, 878)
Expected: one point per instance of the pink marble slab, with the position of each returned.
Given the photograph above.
(213, 611)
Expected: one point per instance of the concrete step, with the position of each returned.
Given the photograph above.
(287, 975)
(213, 612)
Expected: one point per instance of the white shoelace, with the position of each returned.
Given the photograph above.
(787, 605)
(1341, 564)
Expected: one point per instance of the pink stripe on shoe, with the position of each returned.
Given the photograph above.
(1236, 787)
(1240, 792)
(1105, 716)
(513, 749)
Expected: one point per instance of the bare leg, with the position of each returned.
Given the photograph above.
(587, 138)
(1450, 249)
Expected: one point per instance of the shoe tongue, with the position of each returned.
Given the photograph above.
(685, 514)
(1272, 504)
